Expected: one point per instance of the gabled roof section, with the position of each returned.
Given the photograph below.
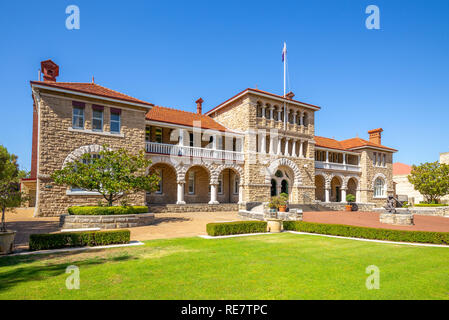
(400, 169)
(91, 89)
(184, 118)
(260, 92)
(349, 144)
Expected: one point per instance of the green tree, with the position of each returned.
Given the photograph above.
(431, 180)
(10, 194)
(112, 173)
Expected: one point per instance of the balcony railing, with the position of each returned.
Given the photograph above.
(337, 166)
(186, 151)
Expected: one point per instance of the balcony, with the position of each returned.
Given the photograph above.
(337, 166)
(185, 151)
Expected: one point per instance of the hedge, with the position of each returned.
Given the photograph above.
(106, 211)
(369, 233)
(430, 205)
(238, 227)
(78, 239)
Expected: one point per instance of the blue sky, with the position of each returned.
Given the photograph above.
(171, 53)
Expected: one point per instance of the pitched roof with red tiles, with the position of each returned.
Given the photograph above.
(347, 145)
(401, 169)
(185, 118)
(91, 88)
(252, 90)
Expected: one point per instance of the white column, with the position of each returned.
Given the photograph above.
(286, 153)
(294, 148)
(240, 194)
(180, 199)
(301, 150)
(264, 112)
(271, 151)
(213, 194)
(280, 114)
(327, 194)
(271, 113)
(301, 118)
(343, 195)
(344, 158)
(279, 151)
(263, 142)
(327, 156)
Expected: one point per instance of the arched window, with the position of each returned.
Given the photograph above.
(379, 188)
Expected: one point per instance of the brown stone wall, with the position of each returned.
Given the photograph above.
(57, 142)
(202, 182)
(169, 186)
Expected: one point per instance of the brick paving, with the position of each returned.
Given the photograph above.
(176, 225)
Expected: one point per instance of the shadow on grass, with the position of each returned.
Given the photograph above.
(26, 273)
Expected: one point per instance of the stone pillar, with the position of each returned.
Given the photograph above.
(263, 143)
(271, 113)
(294, 117)
(294, 148)
(357, 196)
(343, 195)
(264, 112)
(327, 156)
(279, 150)
(180, 199)
(213, 194)
(240, 193)
(344, 158)
(280, 114)
(286, 153)
(271, 151)
(301, 150)
(301, 118)
(327, 194)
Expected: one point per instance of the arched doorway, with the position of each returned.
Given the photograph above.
(319, 188)
(197, 186)
(352, 187)
(335, 189)
(165, 194)
(274, 191)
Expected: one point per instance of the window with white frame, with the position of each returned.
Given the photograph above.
(236, 184)
(97, 119)
(115, 120)
(379, 188)
(78, 118)
(191, 183)
(93, 157)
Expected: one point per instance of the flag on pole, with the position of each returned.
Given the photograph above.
(284, 52)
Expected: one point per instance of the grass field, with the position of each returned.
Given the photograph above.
(280, 266)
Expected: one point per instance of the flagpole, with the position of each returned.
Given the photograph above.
(285, 65)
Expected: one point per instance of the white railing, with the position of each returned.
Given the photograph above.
(187, 151)
(337, 166)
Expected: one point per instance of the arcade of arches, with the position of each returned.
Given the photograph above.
(333, 188)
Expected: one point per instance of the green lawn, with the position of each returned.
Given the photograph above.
(281, 266)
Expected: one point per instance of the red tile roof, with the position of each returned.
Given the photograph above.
(401, 169)
(348, 144)
(91, 88)
(179, 117)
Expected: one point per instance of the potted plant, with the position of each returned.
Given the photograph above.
(274, 224)
(10, 196)
(283, 200)
(350, 199)
(273, 205)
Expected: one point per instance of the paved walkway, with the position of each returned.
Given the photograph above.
(176, 225)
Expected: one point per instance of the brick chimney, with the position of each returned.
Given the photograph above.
(375, 136)
(199, 106)
(50, 70)
(290, 95)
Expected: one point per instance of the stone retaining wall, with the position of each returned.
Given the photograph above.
(292, 215)
(106, 222)
(175, 208)
(340, 206)
(402, 219)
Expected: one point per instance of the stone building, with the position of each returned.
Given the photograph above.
(245, 150)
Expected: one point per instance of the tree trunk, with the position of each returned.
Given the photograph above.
(110, 201)
(3, 227)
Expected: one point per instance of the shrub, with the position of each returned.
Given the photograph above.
(368, 233)
(430, 205)
(238, 227)
(106, 211)
(78, 239)
(350, 198)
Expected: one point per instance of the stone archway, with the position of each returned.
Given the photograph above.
(271, 171)
(320, 187)
(78, 153)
